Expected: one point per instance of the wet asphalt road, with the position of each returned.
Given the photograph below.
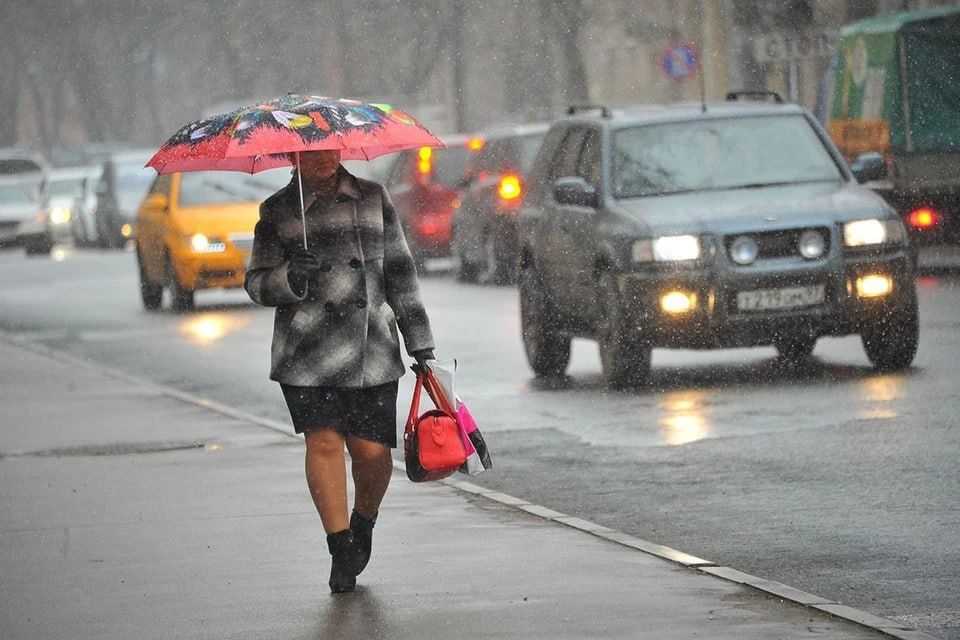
(832, 479)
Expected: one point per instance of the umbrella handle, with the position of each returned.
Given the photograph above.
(303, 215)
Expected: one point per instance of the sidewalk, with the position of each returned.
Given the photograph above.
(129, 514)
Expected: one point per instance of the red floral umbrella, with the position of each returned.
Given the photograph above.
(263, 136)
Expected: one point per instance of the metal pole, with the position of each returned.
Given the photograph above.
(303, 213)
(703, 87)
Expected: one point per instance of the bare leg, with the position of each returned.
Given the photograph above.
(327, 477)
(372, 468)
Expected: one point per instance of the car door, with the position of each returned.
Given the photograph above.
(151, 227)
(557, 243)
(578, 229)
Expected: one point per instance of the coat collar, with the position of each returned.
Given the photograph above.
(348, 187)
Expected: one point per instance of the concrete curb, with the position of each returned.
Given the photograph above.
(781, 591)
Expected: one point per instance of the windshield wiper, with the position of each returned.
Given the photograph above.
(760, 185)
(216, 186)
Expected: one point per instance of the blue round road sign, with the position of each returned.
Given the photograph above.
(679, 60)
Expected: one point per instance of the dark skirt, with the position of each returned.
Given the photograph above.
(369, 413)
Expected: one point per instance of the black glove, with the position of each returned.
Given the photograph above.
(422, 356)
(300, 266)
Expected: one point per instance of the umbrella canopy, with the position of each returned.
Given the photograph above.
(260, 136)
(264, 135)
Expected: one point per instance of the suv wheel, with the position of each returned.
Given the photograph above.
(795, 349)
(181, 298)
(624, 355)
(891, 340)
(150, 293)
(548, 350)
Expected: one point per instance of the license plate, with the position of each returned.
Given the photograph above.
(778, 299)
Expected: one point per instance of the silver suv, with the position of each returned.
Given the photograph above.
(734, 226)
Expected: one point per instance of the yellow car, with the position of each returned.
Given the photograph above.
(195, 231)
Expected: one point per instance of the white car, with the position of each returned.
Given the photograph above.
(71, 198)
(23, 221)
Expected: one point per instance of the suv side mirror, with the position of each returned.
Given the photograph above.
(868, 167)
(574, 191)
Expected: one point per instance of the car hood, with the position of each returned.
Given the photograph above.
(218, 221)
(18, 212)
(743, 210)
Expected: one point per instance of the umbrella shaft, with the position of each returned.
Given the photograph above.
(303, 213)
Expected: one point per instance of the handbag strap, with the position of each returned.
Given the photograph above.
(426, 379)
(414, 404)
(435, 391)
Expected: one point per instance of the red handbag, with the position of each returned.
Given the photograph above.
(432, 448)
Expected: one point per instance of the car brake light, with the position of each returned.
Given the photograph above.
(429, 227)
(424, 164)
(510, 187)
(922, 218)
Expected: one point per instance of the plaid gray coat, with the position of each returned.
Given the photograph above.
(342, 330)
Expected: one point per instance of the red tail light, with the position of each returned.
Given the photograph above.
(510, 187)
(923, 218)
(429, 227)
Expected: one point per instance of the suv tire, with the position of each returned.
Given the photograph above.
(181, 299)
(548, 350)
(624, 355)
(891, 340)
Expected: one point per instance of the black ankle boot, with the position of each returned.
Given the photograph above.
(343, 572)
(362, 529)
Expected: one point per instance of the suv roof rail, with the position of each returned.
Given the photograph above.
(576, 108)
(735, 96)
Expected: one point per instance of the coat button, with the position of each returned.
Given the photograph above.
(361, 303)
(329, 307)
(355, 263)
(325, 266)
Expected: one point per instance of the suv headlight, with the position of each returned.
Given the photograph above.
(666, 249)
(873, 231)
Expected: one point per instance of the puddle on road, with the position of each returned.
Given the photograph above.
(209, 327)
(684, 420)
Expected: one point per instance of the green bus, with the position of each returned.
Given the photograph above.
(895, 114)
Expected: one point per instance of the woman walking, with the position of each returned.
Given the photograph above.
(335, 347)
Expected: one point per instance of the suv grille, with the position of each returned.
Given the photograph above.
(784, 243)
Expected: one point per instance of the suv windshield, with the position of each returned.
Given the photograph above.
(226, 187)
(710, 155)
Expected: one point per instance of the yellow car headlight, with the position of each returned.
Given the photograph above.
(200, 243)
